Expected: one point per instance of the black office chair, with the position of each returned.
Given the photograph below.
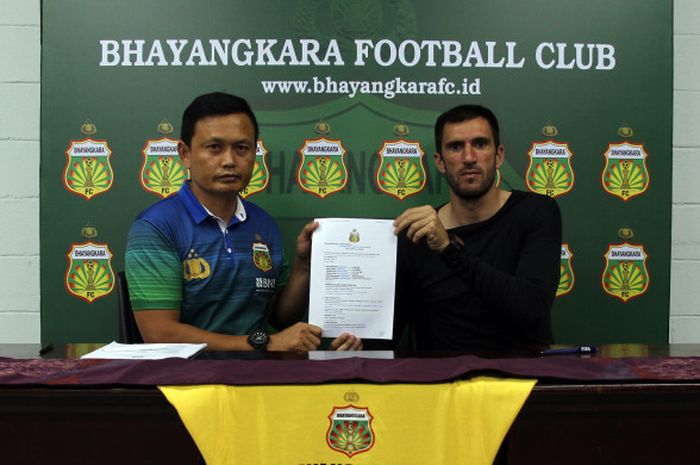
(128, 329)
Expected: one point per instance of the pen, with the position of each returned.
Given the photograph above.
(570, 350)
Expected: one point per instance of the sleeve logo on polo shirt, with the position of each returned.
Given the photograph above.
(261, 256)
(195, 267)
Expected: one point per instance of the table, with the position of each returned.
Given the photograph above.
(561, 422)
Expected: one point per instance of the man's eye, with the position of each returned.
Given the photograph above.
(213, 147)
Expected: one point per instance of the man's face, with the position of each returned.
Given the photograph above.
(221, 154)
(469, 158)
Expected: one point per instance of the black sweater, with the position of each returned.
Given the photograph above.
(495, 293)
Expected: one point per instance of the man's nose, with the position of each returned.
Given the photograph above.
(228, 158)
(469, 154)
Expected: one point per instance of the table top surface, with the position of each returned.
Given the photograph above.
(76, 350)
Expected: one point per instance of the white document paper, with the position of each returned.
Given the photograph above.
(115, 350)
(353, 271)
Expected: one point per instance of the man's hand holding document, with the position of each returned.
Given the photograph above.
(353, 272)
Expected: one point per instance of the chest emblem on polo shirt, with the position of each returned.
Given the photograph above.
(195, 267)
(350, 431)
(261, 256)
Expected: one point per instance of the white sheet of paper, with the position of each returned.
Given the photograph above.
(115, 350)
(353, 271)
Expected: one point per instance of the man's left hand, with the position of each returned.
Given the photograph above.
(346, 341)
(303, 248)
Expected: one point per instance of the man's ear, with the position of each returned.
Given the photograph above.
(184, 151)
(500, 155)
(439, 162)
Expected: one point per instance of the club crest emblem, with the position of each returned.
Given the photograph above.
(261, 256)
(162, 171)
(89, 275)
(401, 172)
(261, 174)
(350, 430)
(88, 171)
(625, 275)
(550, 171)
(566, 277)
(625, 173)
(322, 168)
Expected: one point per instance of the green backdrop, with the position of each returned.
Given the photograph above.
(110, 77)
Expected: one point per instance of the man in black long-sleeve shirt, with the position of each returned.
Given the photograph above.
(481, 271)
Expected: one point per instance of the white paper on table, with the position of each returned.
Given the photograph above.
(151, 351)
(353, 271)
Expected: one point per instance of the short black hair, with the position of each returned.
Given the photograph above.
(465, 113)
(213, 104)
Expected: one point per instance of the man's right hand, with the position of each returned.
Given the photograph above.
(300, 337)
(423, 223)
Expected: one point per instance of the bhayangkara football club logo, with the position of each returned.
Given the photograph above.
(401, 172)
(261, 256)
(550, 171)
(89, 275)
(162, 171)
(566, 277)
(261, 174)
(625, 173)
(625, 275)
(350, 431)
(88, 171)
(322, 169)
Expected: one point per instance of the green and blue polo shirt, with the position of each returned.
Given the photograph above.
(220, 277)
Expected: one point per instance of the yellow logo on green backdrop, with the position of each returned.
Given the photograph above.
(88, 171)
(625, 275)
(550, 172)
(89, 275)
(625, 172)
(162, 171)
(401, 172)
(261, 174)
(322, 168)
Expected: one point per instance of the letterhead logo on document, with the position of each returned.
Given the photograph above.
(350, 430)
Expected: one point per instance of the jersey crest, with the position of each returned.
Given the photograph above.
(261, 256)
(89, 275)
(401, 172)
(625, 173)
(550, 172)
(162, 171)
(322, 169)
(261, 174)
(88, 171)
